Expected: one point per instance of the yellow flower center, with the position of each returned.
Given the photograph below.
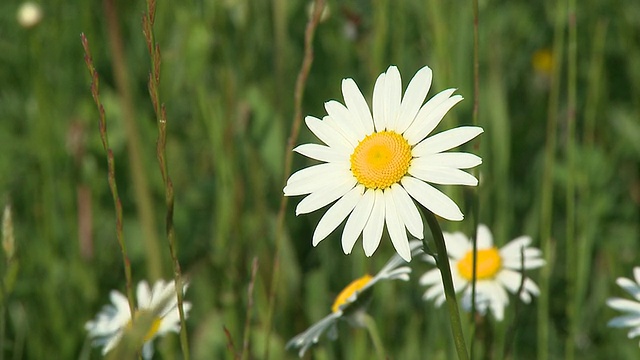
(153, 327)
(542, 61)
(381, 159)
(346, 293)
(488, 263)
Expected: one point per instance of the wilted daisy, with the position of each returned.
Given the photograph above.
(631, 307)
(352, 300)
(376, 162)
(497, 271)
(160, 302)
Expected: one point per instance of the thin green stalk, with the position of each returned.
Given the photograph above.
(377, 57)
(442, 261)
(511, 332)
(547, 190)
(141, 191)
(111, 169)
(372, 329)
(148, 20)
(595, 82)
(475, 203)
(573, 303)
(247, 322)
(301, 82)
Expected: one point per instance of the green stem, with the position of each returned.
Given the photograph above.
(546, 207)
(148, 20)
(95, 92)
(371, 327)
(473, 198)
(574, 303)
(442, 261)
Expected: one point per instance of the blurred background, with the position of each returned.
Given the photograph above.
(228, 75)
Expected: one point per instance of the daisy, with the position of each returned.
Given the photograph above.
(109, 325)
(376, 162)
(352, 300)
(632, 308)
(497, 271)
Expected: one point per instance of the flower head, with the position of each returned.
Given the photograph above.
(160, 302)
(29, 14)
(376, 161)
(497, 271)
(352, 300)
(631, 307)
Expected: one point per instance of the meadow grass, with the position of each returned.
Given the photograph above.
(561, 160)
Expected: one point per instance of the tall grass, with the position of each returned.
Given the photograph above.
(228, 77)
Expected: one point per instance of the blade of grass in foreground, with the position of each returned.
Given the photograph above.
(88, 59)
(148, 20)
(546, 206)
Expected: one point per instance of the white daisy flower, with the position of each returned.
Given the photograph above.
(631, 307)
(497, 271)
(109, 325)
(353, 299)
(374, 164)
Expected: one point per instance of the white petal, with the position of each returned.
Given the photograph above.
(372, 233)
(393, 93)
(336, 214)
(356, 222)
(413, 98)
(514, 247)
(431, 198)
(321, 152)
(396, 228)
(510, 279)
(379, 119)
(408, 211)
(629, 286)
(121, 303)
(458, 160)
(357, 105)
(342, 116)
(143, 295)
(324, 197)
(625, 321)
(314, 178)
(458, 244)
(446, 140)
(327, 134)
(431, 277)
(442, 175)
(430, 116)
(484, 237)
(636, 274)
(624, 305)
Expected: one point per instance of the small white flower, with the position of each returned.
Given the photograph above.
(376, 162)
(497, 271)
(353, 299)
(109, 325)
(29, 14)
(631, 307)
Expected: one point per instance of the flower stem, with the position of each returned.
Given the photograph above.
(442, 261)
(371, 327)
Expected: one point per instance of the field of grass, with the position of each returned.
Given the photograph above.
(559, 101)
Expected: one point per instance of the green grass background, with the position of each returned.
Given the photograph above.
(228, 74)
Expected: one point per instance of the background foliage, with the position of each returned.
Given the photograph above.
(229, 69)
